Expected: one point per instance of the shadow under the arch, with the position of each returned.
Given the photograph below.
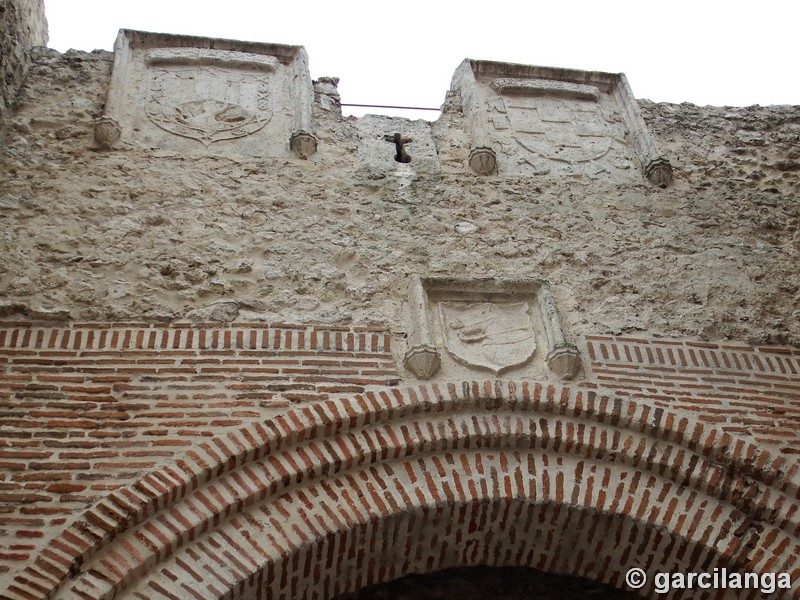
(490, 583)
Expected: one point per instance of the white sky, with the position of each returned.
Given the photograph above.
(404, 52)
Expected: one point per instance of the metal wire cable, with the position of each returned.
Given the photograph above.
(385, 106)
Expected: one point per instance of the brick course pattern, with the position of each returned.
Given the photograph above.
(333, 497)
(277, 461)
(87, 409)
(747, 390)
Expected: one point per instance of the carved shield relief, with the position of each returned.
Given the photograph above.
(487, 335)
(569, 131)
(546, 126)
(207, 96)
(208, 103)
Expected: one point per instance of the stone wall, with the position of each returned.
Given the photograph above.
(163, 235)
(202, 340)
(23, 28)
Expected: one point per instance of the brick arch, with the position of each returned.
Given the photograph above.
(328, 493)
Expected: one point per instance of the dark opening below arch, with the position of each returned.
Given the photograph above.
(490, 583)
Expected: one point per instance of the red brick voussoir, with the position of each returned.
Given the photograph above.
(332, 497)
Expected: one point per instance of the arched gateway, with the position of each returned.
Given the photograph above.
(344, 494)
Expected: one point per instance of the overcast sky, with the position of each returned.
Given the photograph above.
(405, 51)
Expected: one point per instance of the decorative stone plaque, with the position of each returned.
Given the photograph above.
(209, 95)
(200, 94)
(485, 325)
(488, 335)
(541, 121)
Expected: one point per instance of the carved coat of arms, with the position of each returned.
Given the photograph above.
(208, 103)
(486, 335)
(564, 130)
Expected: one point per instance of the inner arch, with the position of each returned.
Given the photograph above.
(252, 514)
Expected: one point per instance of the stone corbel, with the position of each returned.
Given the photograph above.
(564, 361)
(422, 358)
(303, 144)
(106, 132)
(107, 128)
(659, 172)
(483, 160)
(655, 167)
(562, 358)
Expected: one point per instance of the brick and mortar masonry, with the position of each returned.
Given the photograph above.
(694, 442)
(88, 408)
(149, 453)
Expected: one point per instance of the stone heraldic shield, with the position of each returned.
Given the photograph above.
(209, 100)
(486, 335)
(557, 120)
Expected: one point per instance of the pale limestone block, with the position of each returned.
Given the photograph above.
(542, 121)
(460, 326)
(208, 96)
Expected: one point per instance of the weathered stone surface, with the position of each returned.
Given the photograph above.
(565, 361)
(485, 325)
(488, 335)
(712, 256)
(423, 360)
(106, 132)
(483, 161)
(396, 148)
(544, 121)
(24, 28)
(199, 95)
(303, 144)
(202, 419)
